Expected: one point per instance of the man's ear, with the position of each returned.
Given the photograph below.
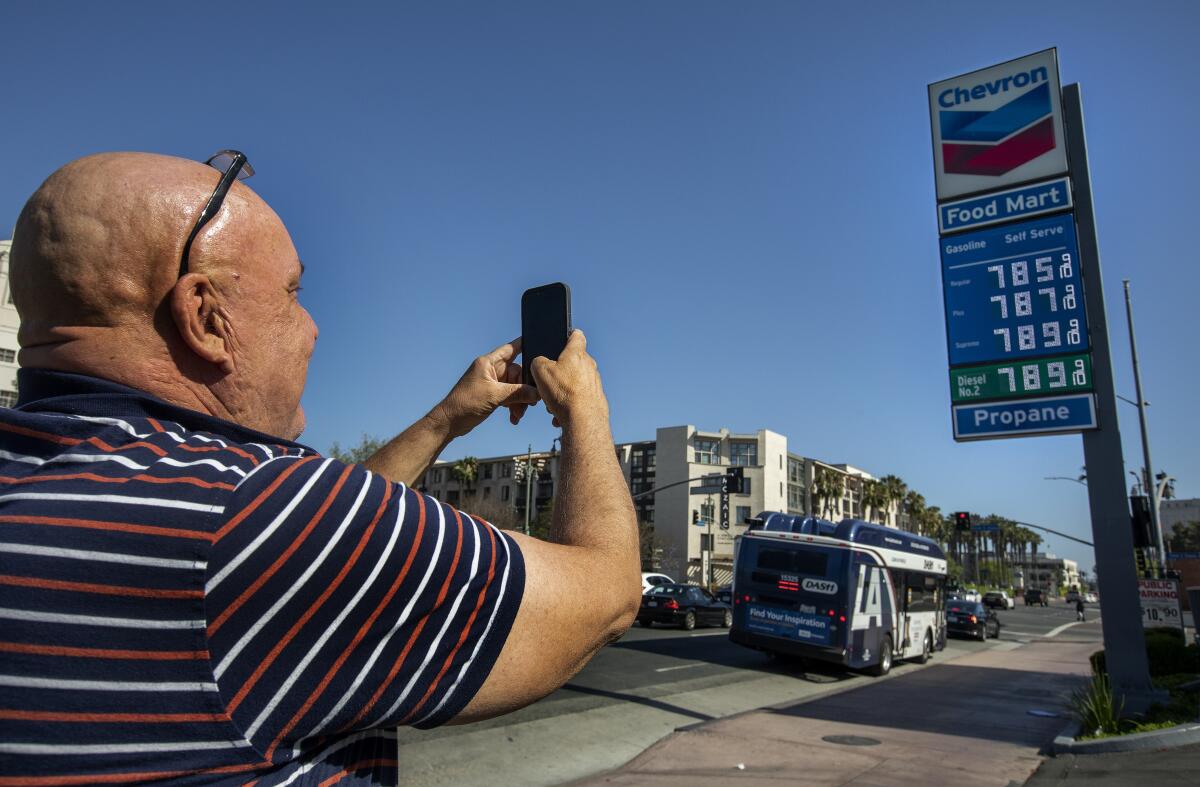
(196, 309)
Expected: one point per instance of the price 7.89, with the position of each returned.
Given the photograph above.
(1027, 339)
(1056, 376)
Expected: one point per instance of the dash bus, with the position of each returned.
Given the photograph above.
(852, 593)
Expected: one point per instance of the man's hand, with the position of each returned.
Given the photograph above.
(571, 385)
(492, 380)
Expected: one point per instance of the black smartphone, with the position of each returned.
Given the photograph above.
(545, 324)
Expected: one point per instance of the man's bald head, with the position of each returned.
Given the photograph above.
(98, 244)
(95, 278)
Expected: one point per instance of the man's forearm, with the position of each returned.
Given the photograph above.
(409, 454)
(593, 508)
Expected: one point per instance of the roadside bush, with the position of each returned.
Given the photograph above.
(1165, 651)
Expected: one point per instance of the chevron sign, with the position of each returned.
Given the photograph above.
(998, 126)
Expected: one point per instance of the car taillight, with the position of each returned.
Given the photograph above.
(672, 604)
(974, 619)
(842, 618)
(832, 613)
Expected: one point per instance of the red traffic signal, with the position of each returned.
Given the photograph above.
(962, 520)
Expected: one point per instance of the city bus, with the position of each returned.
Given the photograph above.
(853, 593)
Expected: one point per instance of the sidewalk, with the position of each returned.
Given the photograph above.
(965, 722)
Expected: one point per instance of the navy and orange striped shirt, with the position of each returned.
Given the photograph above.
(182, 598)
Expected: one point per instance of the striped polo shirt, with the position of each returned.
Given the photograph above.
(183, 598)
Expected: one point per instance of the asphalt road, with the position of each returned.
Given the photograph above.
(644, 686)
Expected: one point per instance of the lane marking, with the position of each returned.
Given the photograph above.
(1065, 626)
(710, 634)
(681, 666)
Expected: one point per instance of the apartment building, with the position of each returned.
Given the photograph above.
(9, 323)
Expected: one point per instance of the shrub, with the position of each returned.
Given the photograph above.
(1165, 651)
(1093, 705)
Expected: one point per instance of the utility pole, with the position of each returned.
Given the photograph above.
(1149, 486)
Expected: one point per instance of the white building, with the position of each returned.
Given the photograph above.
(682, 521)
(1046, 571)
(9, 323)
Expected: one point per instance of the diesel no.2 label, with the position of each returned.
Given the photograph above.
(1013, 292)
(1038, 377)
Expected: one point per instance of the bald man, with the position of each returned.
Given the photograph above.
(187, 593)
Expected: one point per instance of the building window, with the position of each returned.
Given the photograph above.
(487, 492)
(635, 460)
(487, 471)
(746, 485)
(708, 452)
(452, 497)
(505, 492)
(795, 471)
(7, 356)
(650, 458)
(506, 470)
(743, 513)
(743, 454)
(8, 398)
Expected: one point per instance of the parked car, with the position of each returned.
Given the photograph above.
(970, 595)
(653, 580)
(998, 599)
(973, 619)
(1072, 596)
(1090, 598)
(686, 606)
(1035, 597)
(724, 594)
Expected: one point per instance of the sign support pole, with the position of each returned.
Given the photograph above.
(1125, 653)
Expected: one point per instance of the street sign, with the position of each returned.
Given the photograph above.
(1038, 377)
(1024, 417)
(998, 126)
(1160, 603)
(1013, 292)
(1000, 206)
(724, 502)
(986, 527)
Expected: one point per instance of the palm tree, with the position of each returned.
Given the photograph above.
(873, 498)
(828, 486)
(914, 511)
(894, 490)
(465, 471)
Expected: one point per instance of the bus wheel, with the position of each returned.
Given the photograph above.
(885, 658)
(728, 619)
(689, 621)
(926, 649)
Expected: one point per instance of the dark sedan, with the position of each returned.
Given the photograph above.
(971, 618)
(683, 605)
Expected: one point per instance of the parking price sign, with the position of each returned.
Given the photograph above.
(1160, 603)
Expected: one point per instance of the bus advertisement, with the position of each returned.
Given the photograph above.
(853, 593)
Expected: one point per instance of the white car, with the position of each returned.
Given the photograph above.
(650, 581)
(970, 595)
(1089, 598)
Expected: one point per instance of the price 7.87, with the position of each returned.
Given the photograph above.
(1052, 336)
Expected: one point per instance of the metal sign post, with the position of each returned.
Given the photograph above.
(1125, 653)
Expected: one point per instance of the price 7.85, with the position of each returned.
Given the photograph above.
(1027, 339)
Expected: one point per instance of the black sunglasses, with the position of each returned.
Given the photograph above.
(232, 165)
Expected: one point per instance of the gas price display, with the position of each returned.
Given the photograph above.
(1015, 292)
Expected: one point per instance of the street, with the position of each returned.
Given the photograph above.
(645, 686)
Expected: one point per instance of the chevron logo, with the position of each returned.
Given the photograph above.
(995, 142)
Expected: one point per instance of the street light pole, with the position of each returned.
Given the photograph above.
(528, 484)
(1149, 486)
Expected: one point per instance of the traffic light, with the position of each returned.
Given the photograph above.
(695, 517)
(962, 521)
(735, 480)
(1140, 506)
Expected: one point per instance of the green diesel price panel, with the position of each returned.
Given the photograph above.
(1059, 374)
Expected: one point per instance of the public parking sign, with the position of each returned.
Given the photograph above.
(1160, 603)
(998, 127)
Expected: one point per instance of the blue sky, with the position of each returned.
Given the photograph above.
(739, 194)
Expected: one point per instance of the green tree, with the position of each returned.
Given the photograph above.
(894, 490)
(913, 509)
(465, 471)
(358, 454)
(874, 499)
(1185, 537)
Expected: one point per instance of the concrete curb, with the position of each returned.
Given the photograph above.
(1169, 738)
